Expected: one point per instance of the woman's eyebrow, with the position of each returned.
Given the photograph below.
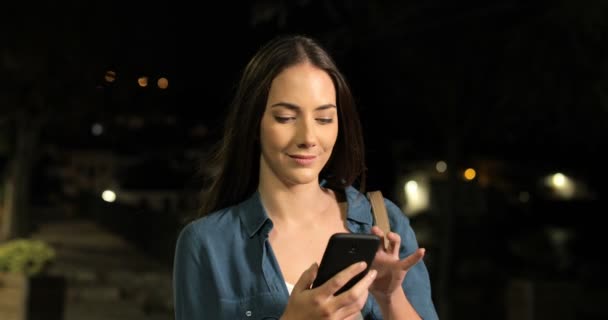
(292, 106)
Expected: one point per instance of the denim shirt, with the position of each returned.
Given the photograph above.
(225, 268)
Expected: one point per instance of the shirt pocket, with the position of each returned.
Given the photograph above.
(267, 306)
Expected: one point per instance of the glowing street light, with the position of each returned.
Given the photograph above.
(110, 76)
(142, 81)
(108, 196)
(441, 166)
(162, 83)
(97, 129)
(470, 174)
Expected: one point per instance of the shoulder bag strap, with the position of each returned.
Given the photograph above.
(380, 214)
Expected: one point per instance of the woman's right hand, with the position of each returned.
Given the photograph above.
(320, 303)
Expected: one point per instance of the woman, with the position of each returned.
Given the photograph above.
(291, 152)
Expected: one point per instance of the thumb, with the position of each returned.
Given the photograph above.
(306, 278)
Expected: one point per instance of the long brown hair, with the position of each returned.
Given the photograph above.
(235, 161)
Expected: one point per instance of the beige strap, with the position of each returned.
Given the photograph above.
(380, 214)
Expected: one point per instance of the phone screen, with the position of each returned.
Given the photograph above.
(344, 249)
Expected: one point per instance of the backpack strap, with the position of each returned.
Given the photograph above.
(380, 215)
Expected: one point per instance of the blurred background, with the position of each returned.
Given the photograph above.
(484, 120)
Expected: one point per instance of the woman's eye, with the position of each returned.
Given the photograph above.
(325, 120)
(284, 119)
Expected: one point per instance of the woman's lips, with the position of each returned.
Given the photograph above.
(303, 160)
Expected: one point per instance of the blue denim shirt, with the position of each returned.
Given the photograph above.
(224, 267)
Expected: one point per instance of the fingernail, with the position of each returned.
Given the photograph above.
(362, 264)
(372, 273)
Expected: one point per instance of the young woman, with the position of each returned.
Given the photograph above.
(291, 153)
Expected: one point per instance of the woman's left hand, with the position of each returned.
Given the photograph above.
(391, 270)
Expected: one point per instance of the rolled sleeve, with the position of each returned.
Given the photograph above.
(417, 285)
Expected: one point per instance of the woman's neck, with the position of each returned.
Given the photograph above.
(294, 204)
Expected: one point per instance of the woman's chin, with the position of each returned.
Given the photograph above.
(302, 179)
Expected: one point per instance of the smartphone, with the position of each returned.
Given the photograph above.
(344, 249)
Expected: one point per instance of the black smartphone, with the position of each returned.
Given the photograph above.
(344, 249)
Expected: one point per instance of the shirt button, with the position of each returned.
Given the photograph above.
(248, 313)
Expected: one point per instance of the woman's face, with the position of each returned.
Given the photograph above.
(299, 127)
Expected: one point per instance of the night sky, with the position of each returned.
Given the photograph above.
(508, 78)
(519, 81)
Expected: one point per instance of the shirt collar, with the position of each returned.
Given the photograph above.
(254, 217)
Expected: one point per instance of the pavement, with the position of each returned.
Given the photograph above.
(107, 278)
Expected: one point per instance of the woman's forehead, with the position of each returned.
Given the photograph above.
(303, 84)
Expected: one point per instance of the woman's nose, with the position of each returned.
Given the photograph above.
(306, 137)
